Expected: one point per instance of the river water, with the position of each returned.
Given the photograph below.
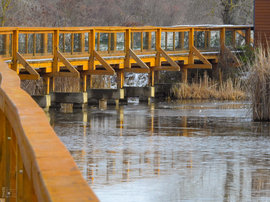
(169, 151)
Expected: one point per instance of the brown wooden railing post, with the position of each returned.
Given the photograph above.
(158, 47)
(15, 45)
(222, 39)
(55, 67)
(92, 46)
(127, 47)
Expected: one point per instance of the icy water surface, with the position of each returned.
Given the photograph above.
(174, 151)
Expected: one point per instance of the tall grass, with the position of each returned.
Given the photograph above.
(67, 84)
(257, 77)
(210, 89)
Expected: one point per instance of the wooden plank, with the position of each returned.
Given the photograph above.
(198, 66)
(28, 77)
(136, 70)
(165, 68)
(170, 60)
(27, 66)
(128, 36)
(98, 72)
(67, 64)
(15, 49)
(137, 59)
(63, 74)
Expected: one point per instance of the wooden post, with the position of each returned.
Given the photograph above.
(127, 47)
(184, 75)
(151, 78)
(191, 44)
(92, 45)
(55, 67)
(46, 85)
(247, 37)
(158, 46)
(15, 45)
(83, 80)
(120, 79)
(222, 39)
(233, 38)
(90, 81)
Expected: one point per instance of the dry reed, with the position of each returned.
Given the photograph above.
(67, 84)
(257, 77)
(209, 89)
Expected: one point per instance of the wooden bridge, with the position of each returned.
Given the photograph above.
(34, 164)
(83, 52)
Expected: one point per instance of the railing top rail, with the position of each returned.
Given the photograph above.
(49, 165)
(117, 28)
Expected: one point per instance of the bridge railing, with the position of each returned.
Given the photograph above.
(34, 163)
(40, 42)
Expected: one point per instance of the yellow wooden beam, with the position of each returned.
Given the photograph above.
(33, 73)
(63, 74)
(138, 60)
(246, 36)
(200, 56)
(174, 65)
(67, 64)
(136, 70)
(109, 69)
(165, 68)
(198, 66)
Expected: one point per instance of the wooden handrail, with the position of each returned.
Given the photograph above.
(47, 166)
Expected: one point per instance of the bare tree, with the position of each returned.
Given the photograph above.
(6, 6)
(233, 11)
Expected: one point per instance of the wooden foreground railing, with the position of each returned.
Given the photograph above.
(34, 163)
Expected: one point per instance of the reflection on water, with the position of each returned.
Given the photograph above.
(176, 151)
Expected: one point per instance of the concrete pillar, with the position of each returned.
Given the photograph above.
(44, 101)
